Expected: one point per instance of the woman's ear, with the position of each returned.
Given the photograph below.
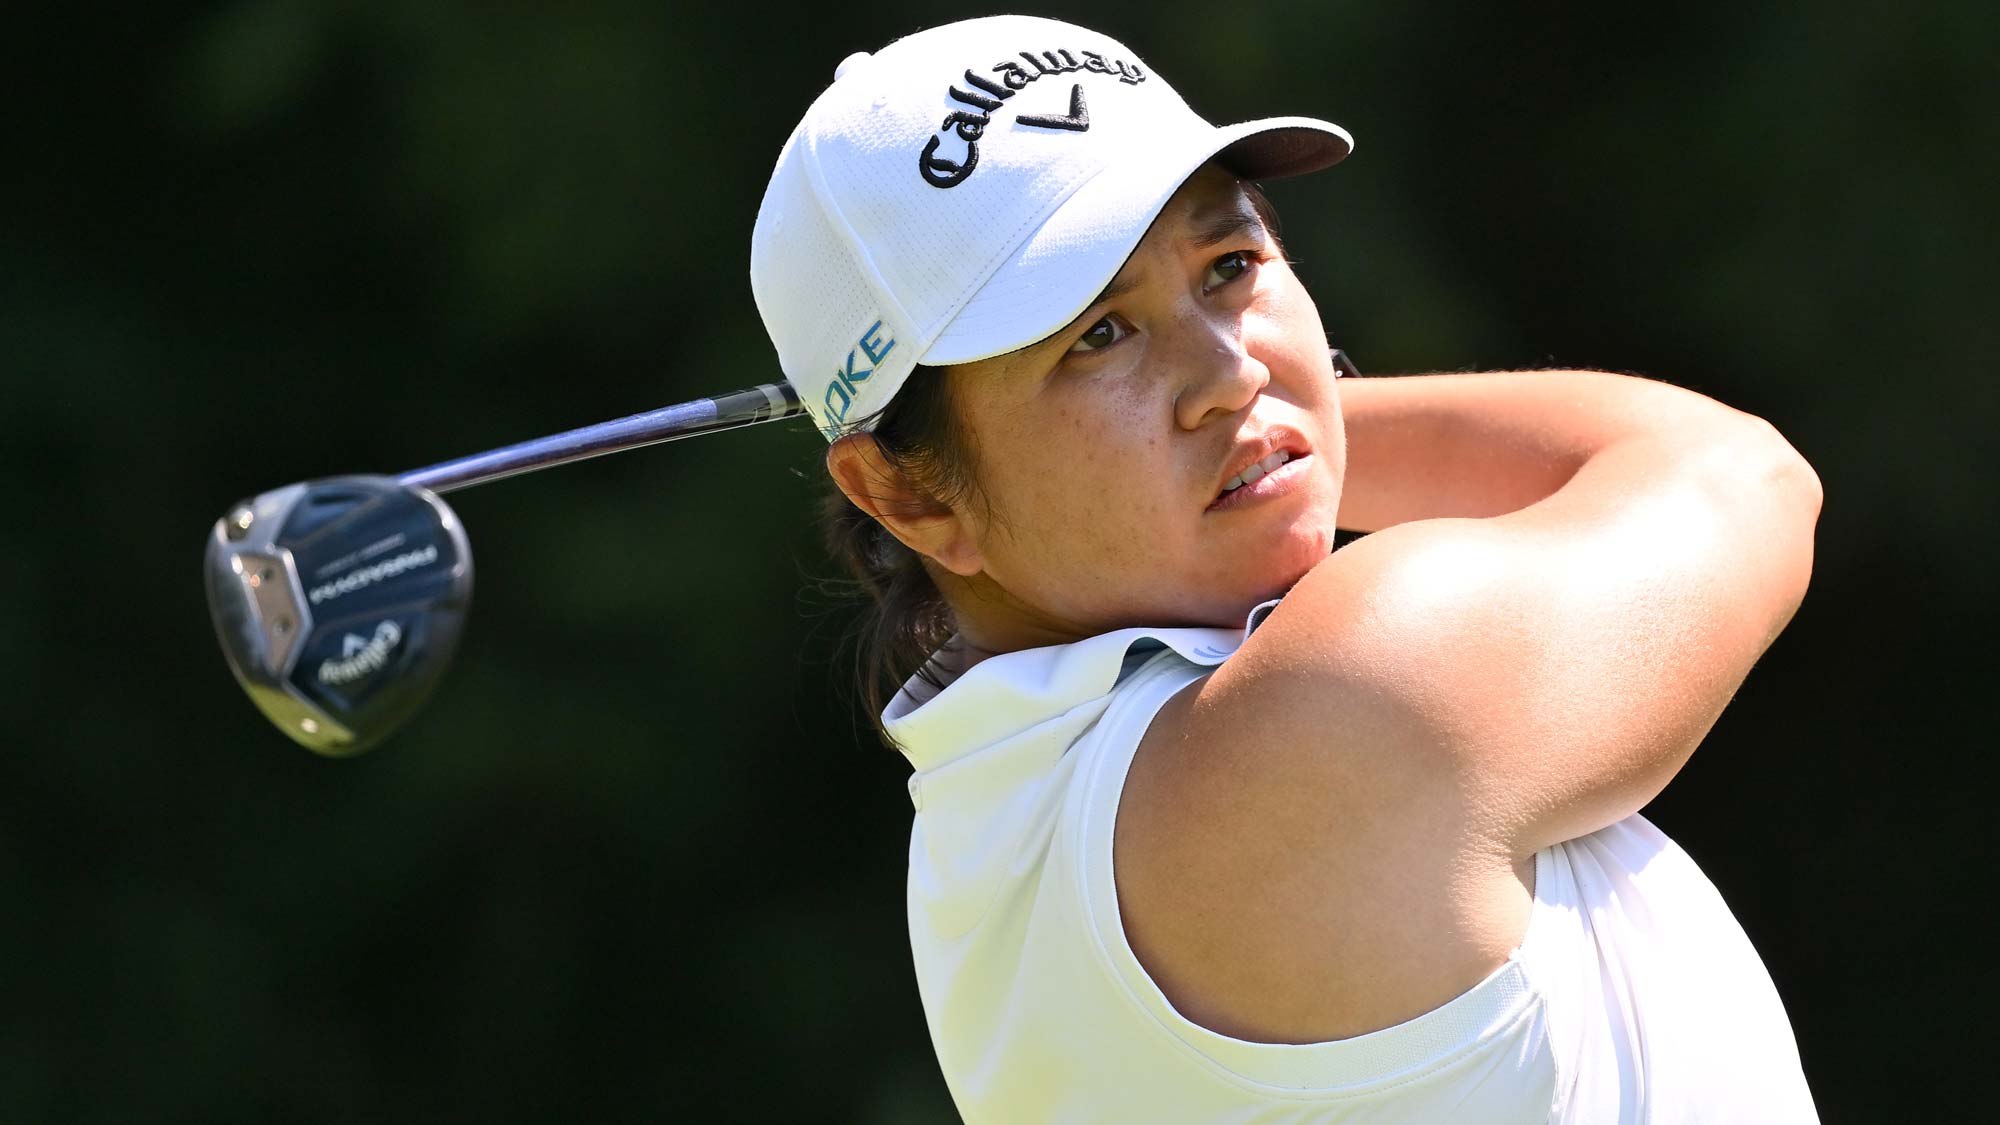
(920, 521)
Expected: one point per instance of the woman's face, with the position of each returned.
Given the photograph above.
(1104, 449)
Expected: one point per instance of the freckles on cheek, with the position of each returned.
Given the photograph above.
(1084, 474)
(1087, 494)
(1081, 493)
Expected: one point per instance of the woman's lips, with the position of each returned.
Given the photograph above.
(1283, 480)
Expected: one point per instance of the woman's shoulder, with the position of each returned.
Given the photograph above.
(1294, 862)
(1267, 911)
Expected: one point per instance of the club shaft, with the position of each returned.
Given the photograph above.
(766, 403)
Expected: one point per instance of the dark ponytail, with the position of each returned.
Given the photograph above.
(903, 617)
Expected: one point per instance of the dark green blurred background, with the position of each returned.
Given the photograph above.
(638, 858)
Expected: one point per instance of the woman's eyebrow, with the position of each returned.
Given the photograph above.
(1226, 227)
(1118, 287)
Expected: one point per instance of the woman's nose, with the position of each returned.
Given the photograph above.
(1220, 374)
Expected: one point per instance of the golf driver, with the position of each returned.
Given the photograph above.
(339, 601)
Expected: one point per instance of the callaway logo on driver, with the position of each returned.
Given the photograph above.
(361, 656)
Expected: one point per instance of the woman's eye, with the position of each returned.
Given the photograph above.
(1100, 335)
(1228, 268)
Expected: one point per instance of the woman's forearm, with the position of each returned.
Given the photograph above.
(1477, 445)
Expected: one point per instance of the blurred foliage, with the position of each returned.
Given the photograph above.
(638, 858)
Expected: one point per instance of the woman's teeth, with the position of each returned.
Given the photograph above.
(1256, 472)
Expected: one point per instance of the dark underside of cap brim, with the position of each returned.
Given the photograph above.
(1285, 151)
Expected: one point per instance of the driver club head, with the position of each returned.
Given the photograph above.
(338, 603)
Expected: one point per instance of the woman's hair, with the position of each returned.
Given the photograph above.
(905, 618)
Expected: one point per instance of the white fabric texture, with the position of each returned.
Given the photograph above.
(1633, 997)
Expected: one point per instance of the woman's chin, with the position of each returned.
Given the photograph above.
(1301, 548)
(1275, 582)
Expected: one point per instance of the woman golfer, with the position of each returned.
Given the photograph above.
(1212, 823)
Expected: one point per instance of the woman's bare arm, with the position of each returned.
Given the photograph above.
(1485, 444)
(1332, 831)
(1578, 570)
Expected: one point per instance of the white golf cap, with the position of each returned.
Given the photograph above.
(970, 189)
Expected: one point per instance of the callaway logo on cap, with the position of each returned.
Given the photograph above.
(970, 189)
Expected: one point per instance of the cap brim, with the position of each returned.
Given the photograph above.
(1055, 274)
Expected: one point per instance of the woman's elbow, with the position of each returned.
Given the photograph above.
(1789, 495)
(1791, 476)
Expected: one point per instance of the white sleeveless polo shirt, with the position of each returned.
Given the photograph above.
(1634, 996)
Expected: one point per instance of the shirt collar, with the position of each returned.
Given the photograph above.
(1002, 696)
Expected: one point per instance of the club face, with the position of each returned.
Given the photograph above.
(338, 603)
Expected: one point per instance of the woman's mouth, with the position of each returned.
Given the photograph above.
(1285, 474)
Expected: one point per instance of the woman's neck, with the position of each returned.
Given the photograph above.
(992, 621)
